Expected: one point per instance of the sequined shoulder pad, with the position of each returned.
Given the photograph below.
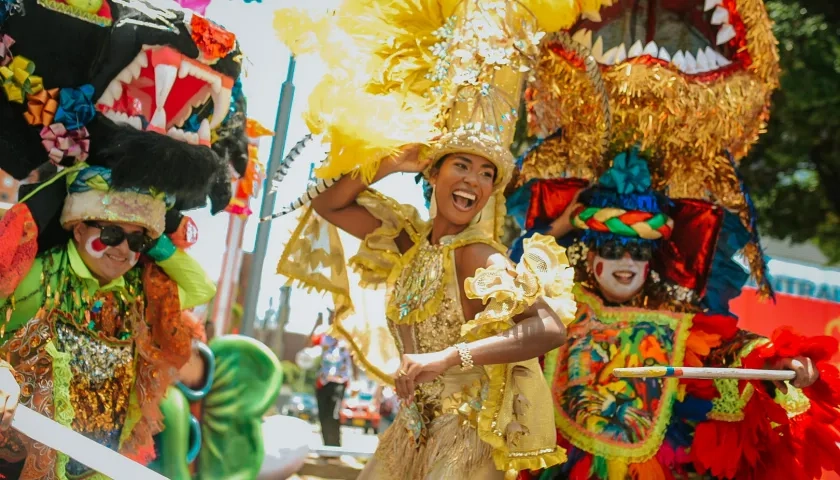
(378, 253)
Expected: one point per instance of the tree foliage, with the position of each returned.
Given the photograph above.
(794, 171)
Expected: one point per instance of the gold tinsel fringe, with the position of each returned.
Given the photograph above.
(453, 450)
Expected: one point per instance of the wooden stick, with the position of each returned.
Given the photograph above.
(704, 372)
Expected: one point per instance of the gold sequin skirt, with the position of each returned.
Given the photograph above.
(452, 450)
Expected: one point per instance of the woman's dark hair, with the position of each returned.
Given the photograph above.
(427, 187)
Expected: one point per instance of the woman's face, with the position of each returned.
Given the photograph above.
(463, 185)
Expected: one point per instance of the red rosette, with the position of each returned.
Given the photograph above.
(213, 41)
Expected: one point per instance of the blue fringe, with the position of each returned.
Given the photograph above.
(517, 204)
(517, 248)
(644, 202)
(595, 239)
(727, 277)
(427, 188)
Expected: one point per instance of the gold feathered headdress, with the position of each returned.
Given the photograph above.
(406, 71)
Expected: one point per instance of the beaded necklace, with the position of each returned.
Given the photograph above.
(64, 291)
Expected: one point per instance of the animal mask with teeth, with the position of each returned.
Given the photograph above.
(146, 89)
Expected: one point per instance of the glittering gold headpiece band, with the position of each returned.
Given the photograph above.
(485, 52)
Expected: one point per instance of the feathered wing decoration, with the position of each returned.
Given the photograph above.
(314, 259)
(361, 127)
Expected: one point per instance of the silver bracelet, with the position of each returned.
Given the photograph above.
(466, 356)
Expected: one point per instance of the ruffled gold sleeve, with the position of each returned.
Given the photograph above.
(378, 253)
(517, 418)
(508, 291)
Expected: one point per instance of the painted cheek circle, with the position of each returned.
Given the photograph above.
(95, 247)
(98, 246)
(599, 268)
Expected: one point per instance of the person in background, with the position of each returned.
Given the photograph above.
(333, 378)
(388, 405)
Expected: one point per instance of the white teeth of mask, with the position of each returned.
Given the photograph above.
(610, 45)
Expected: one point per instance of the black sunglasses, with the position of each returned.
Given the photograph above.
(112, 236)
(640, 252)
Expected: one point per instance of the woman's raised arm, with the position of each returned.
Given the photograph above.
(338, 205)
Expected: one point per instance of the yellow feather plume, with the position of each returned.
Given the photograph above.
(401, 34)
(362, 128)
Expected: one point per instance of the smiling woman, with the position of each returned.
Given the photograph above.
(462, 184)
(468, 325)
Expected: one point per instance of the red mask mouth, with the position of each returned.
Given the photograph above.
(159, 90)
(695, 36)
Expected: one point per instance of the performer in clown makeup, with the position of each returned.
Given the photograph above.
(622, 223)
(653, 279)
(92, 341)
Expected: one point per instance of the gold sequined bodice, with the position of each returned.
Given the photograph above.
(428, 285)
(425, 282)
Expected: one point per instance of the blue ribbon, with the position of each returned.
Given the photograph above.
(629, 174)
(79, 183)
(75, 107)
(9, 8)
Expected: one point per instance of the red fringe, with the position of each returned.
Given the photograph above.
(797, 448)
(18, 247)
(143, 455)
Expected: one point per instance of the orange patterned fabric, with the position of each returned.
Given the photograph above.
(18, 247)
(33, 371)
(170, 336)
(164, 344)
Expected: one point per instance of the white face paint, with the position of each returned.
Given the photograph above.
(95, 248)
(620, 280)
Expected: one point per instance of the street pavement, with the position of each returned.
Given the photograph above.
(332, 463)
(352, 439)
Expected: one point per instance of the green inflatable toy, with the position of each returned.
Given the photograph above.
(215, 432)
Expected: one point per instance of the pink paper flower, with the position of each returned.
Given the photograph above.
(61, 143)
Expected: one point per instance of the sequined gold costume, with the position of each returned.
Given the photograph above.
(464, 97)
(466, 424)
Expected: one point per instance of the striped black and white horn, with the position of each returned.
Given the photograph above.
(304, 199)
(286, 164)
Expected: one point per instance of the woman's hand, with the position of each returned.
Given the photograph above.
(417, 368)
(408, 160)
(9, 395)
(806, 372)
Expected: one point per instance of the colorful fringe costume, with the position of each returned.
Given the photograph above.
(137, 144)
(650, 138)
(456, 69)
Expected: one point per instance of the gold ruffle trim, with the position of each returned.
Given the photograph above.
(543, 272)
